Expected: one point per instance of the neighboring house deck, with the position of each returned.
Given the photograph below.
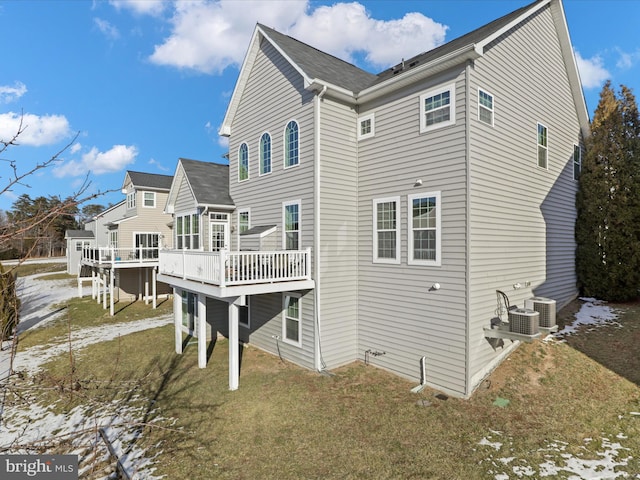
(375, 217)
(123, 258)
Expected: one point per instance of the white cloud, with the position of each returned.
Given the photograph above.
(96, 162)
(75, 148)
(208, 36)
(141, 7)
(158, 165)
(347, 28)
(106, 28)
(37, 130)
(593, 74)
(9, 94)
(627, 60)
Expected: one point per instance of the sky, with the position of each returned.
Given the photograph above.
(138, 84)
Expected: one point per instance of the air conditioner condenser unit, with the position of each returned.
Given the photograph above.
(547, 309)
(524, 321)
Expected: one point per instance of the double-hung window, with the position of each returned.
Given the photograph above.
(485, 107)
(437, 108)
(131, 200)
(543, 152)
(243, 162)
(424, 229)
(188, 232)
(291, 223)
(244, 222)
(577, 161)
(291, 145)
(265, 154)
(149, 199)
(291, 319)
(386, 232)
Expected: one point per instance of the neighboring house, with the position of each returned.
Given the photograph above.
(123, 258)
(95, 234)
(376, 216)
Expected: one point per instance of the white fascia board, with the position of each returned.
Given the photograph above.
(249, 57)
(213, 206)
(534, 9)
(560, 20)
(122, 220)
(173, 191)
(334, 90)
(468, 52)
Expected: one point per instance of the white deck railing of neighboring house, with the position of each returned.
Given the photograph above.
(110, 255)
(226, 268)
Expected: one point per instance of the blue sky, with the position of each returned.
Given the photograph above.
(145, 82)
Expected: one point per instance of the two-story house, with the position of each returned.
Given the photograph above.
(376, 216)
(122, 258)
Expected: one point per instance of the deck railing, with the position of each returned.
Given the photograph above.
(104, 255)
(226, 268)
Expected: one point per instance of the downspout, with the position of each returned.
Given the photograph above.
(319, 363)
(467, 128)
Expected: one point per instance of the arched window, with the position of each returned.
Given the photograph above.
(291, 145)
(265, 154)
(243, 162)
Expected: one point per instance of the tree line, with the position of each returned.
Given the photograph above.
(36, 227)
(608, 201)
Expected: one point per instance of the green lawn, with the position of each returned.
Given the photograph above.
(285, 422)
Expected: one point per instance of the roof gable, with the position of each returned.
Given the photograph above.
(352, 84)
(207, 181)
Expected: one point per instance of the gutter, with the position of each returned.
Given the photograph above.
(319, 363)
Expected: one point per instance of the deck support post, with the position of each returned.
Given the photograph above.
(93, 283)
(111, 292)
(146, 286)
(177, 319)
(104, 289)
(154, 288)
(202, 330)
(234, 346)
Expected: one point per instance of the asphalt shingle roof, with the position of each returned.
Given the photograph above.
(78, 234)
(150, 180)
(318, 64)
(209, 181)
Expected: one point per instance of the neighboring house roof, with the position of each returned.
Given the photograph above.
(209, 183)
(109, 209)
(78, 234)
(343, 80)
(153, 181)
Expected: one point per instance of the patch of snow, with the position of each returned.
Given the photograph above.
(592, 313)
(26, 426)
(486, 441)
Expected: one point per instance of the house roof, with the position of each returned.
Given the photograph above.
(350, 83)
(209, 183)
(78, 234)
(153, 181)
(317, 64)
(260, 230)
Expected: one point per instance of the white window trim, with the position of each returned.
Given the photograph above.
(372, 133)
(248, 306)
(248, 162)
(242, 210)
(285, 145)
(284, 216)
(376, 259)
(131, 200)
(284, 319)
(260, 173)
(189, 215)
(573, 161)
(410, 260)
(493, 106)
(546, 167)
(143, 199)
(451, 88)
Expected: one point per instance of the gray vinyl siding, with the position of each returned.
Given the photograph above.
(338, 234)
(522, 231)
(397, 314)
(264, 195)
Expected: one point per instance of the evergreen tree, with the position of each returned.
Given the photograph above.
(608, 201)
(9, 304)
